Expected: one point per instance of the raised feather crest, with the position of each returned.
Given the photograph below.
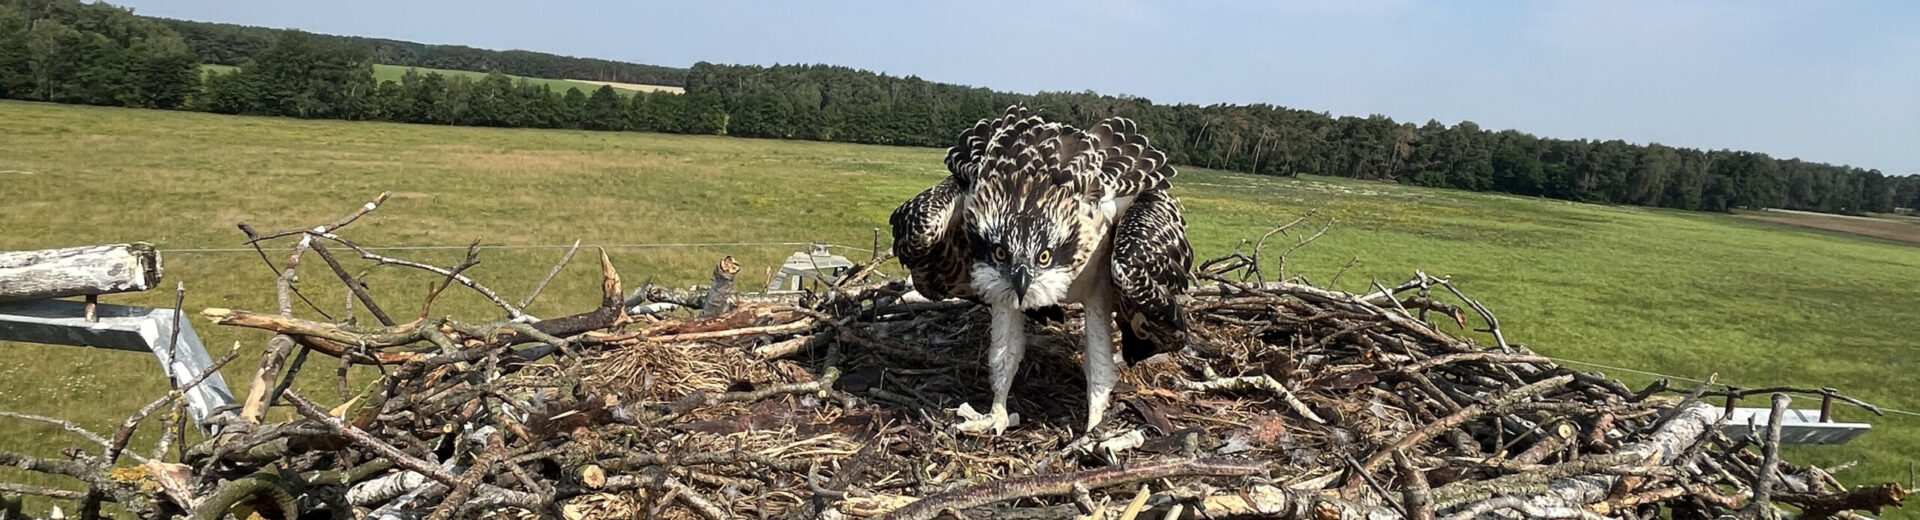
(1113, 159)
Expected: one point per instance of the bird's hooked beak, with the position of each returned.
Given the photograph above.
(1022, 278)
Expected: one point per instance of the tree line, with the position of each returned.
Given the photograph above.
(66, 51)
(843, 104)
(301, 75)
(229, 44)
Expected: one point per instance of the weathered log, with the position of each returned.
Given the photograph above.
(78, 271)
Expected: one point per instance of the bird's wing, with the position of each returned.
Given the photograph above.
(1005, 145)
(1152, 264)
(1116, 158)
(928, 240)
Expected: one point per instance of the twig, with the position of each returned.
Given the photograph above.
(472, 259)
(512, 311)
(326, 228)
(1493, 324)
(53, 493)
(268, 261)
(357, 289)
(1763, 486)
(69, 468)
(524, 302)
(1416, 502)
(125, 433)
(1468, 413)
(692, 499)
(1266, 383)
(824, 383)
(63, 424)
(802, 325)
(469, 480)
(856, 275)
(170, 434)
(1335, 282)
(173, 337)
(1253, 262)
(1374, 484)
(1490, 357)
(1280, 269)
(358, 436)
(287, 275)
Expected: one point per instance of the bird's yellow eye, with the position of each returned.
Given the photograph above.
(1000, 254)
(1044, 258)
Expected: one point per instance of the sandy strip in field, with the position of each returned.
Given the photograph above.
(633, 86)
(1895, 228)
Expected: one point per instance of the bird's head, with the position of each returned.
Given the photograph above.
(1023, 241)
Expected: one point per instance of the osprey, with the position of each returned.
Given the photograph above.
(1038, 214)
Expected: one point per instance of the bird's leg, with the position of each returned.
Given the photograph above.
(1102, 372)
(1003, 359)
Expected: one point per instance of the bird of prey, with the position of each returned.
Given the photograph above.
(1036, 214)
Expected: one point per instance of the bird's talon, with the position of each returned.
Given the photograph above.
(978, 423)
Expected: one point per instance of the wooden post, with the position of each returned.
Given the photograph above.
(720, 294)
(1826, 406)
(78, 271)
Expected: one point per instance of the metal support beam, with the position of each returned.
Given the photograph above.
(1797, 426)
(122, 327)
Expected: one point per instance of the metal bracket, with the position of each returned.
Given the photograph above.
(123, 327)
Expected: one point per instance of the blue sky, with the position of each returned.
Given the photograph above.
(1830, 81)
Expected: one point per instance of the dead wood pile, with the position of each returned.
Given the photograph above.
(1291, 402)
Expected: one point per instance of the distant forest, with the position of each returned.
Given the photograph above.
(92, 53)
(228, 44)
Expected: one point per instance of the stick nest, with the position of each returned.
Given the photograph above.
(1288, 401)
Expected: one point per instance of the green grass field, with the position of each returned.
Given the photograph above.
(394, 72)
(1681, 293)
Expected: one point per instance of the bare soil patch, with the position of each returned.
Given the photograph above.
(1903, 230)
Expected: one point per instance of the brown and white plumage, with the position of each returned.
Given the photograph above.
(1035, 214)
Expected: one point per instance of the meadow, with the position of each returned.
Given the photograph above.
(1688, 294)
